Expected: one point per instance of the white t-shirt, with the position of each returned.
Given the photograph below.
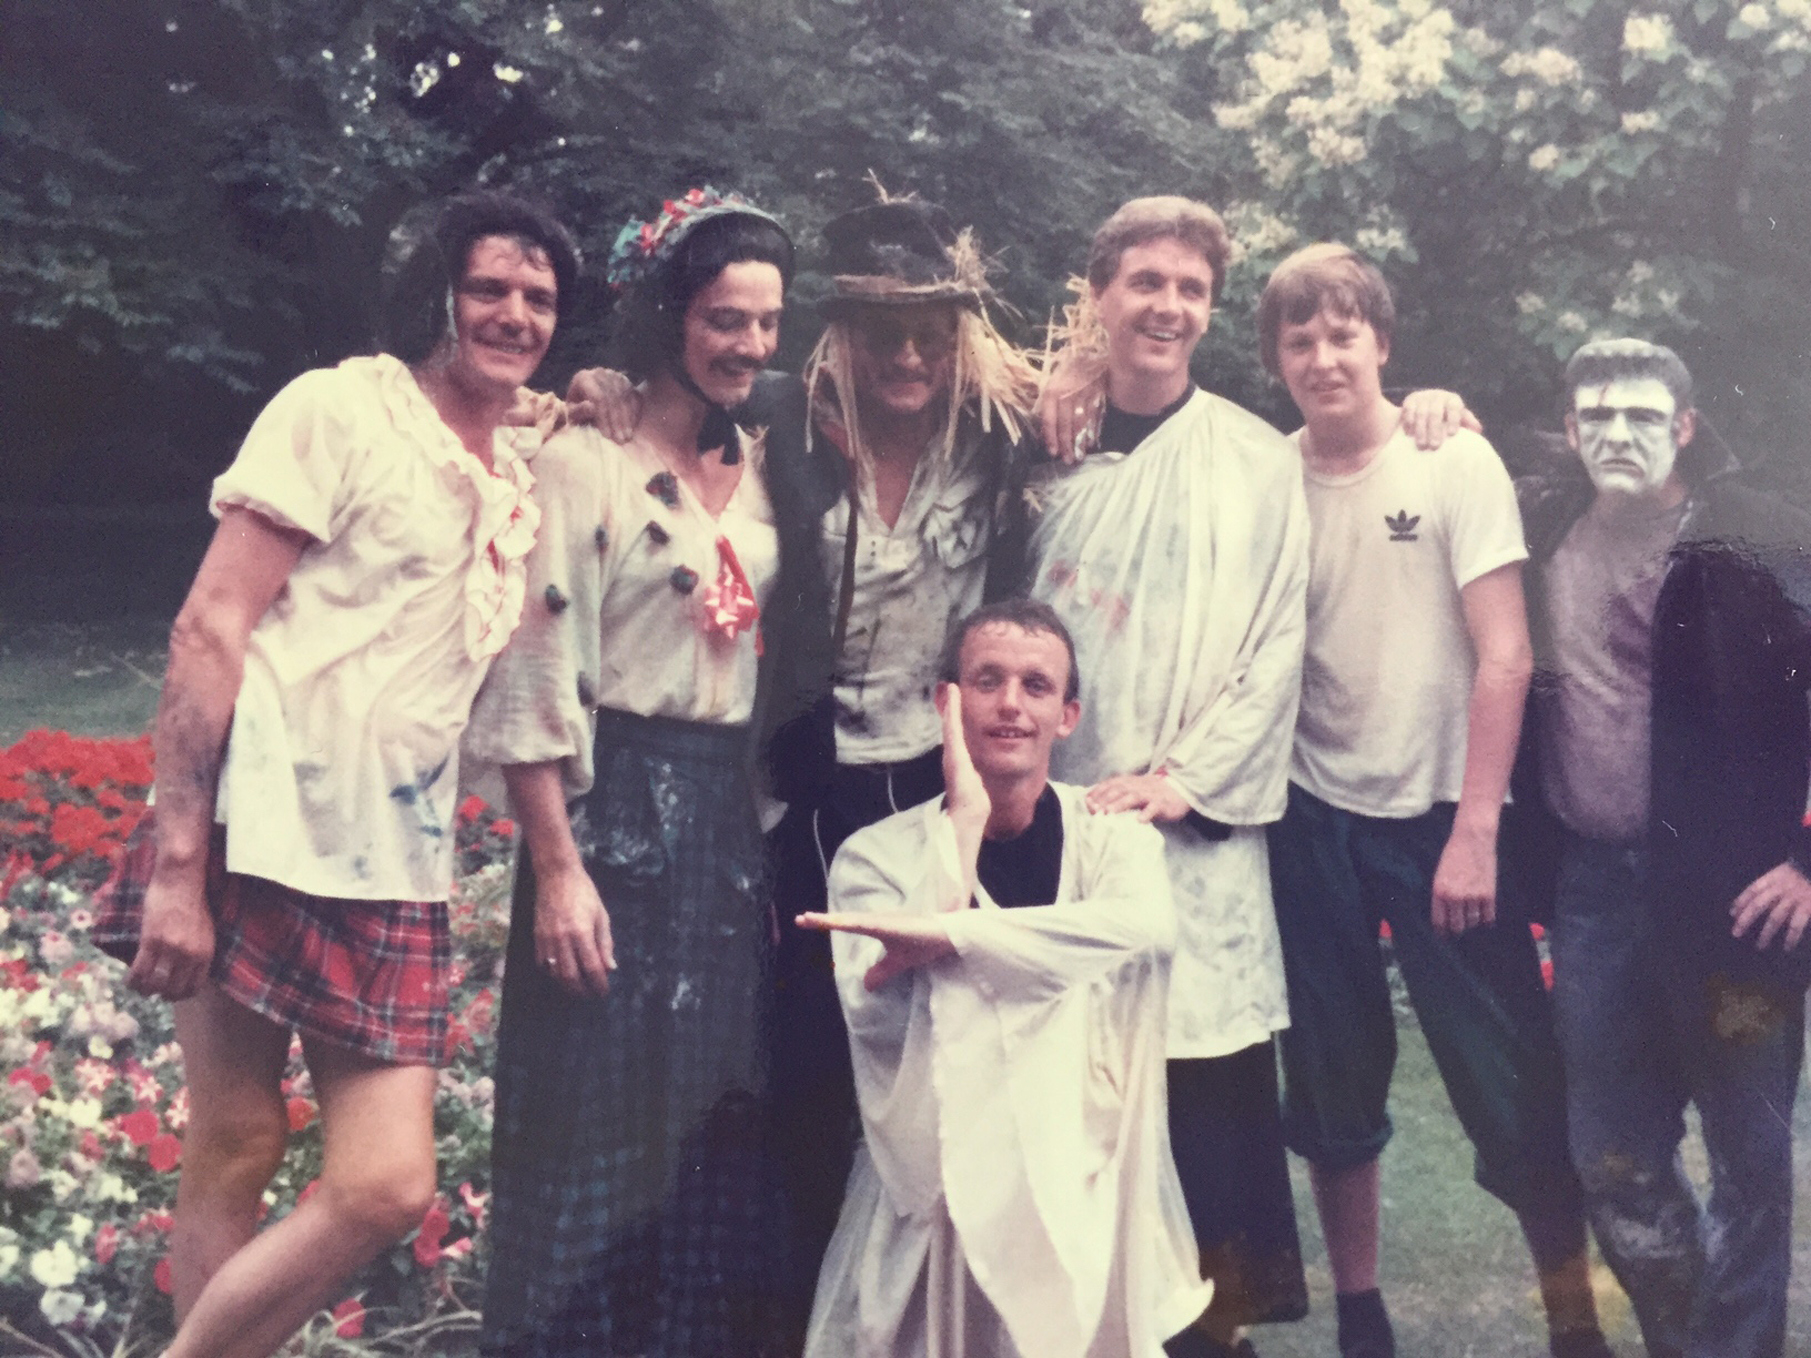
(912, 582)
(617, 607)
(1387, 675)
(342, 767)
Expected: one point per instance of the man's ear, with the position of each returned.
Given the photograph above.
(1072, 715)
(940, 697)
(1685, 426)
(1572, 431)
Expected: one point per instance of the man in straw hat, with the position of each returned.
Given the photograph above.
(888, 460)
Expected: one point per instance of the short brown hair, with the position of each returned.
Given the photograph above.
(1168, 217)
(1327, 277)
(1028, 615)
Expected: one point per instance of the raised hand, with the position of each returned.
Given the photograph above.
(965, 796)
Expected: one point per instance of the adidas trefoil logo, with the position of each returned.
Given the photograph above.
(1402, 526)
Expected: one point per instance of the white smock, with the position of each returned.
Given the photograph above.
(1181, 569)
(1015, 1193)
(341, 772)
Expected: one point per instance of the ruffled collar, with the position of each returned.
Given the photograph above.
(504, 516)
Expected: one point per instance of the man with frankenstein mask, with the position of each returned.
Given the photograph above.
(1660, 806)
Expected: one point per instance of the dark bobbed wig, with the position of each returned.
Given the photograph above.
(650, 320)
(426, 256)
(1028, 615)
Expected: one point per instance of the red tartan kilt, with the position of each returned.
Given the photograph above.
(367, 975)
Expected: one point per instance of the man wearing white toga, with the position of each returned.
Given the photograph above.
(1014, 1194)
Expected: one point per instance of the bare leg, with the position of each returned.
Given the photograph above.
(376, 1182)
(233, 1060)
(1348, 1204)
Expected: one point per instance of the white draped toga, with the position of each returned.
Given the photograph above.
(1181, 568)
(1015, 1194)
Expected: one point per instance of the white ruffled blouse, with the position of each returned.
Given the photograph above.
(341, 772)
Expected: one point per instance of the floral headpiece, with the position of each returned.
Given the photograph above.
(640, 246)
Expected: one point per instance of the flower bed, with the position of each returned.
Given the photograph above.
(93, 1106)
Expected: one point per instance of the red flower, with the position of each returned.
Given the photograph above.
(140, 1126)
(161, 1276)
(351, 1316)
(1539, 931)
(301, 1113)
(471, 808)
(503, 826)
(165, 1153)
(106, 1244)
(1547, 972)
(37, 1079)
(434, 1227)
(1383, 929)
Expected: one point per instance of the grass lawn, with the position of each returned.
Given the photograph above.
(1455, 1271)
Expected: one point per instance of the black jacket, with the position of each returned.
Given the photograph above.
(1731, 753)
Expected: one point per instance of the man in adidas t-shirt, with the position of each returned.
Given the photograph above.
(1416, 667)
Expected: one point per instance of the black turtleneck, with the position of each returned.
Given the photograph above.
(1025, 869)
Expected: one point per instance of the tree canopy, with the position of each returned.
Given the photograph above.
(194, 193)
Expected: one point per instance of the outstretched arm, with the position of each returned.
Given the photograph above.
(245, 568)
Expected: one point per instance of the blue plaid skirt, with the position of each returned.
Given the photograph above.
(637, 1209)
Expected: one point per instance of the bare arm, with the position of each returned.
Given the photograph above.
(571, 927)
(1465, 883)
(246, 566)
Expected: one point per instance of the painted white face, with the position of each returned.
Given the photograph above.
(1626, 434)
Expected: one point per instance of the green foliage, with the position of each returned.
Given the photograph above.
(198, 195)
(1533, 175)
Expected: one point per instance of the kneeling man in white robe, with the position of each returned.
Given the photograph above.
(1015, 1194)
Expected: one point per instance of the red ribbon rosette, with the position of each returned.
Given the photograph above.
(729, 601)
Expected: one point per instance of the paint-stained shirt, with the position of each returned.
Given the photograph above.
(342, 767)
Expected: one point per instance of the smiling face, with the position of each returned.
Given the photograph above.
(1628, 434)
(1332, 365)
(1013, 708)
(903, 357)
(732, 328)
(1155, 312)
(504, 311)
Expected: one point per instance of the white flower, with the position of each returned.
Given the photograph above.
(1755, 16)
(56, 1266)
(1572, 321)
(60, 1307)
(1548, 65)
(1230, 15)
(1647, 34)
(509, 75)
(1626, 304)
(99, 1048)
(1524, 100)
(1543, 158)
(1335, 148)
(1530, 302)
(1188, 33)
(9, 1259)
(553, 24)
(62, 1183)
(6, 920)
(1645, 121)
(1640, 272)
(81, 1227)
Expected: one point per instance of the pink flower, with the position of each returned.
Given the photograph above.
(93, 1076)
(139, 1126)
(351, 1316)
(161, 1276)
(165, 1152)
(433, 1230)
(106, 1243)
(23, 1170)
(301, 1113)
